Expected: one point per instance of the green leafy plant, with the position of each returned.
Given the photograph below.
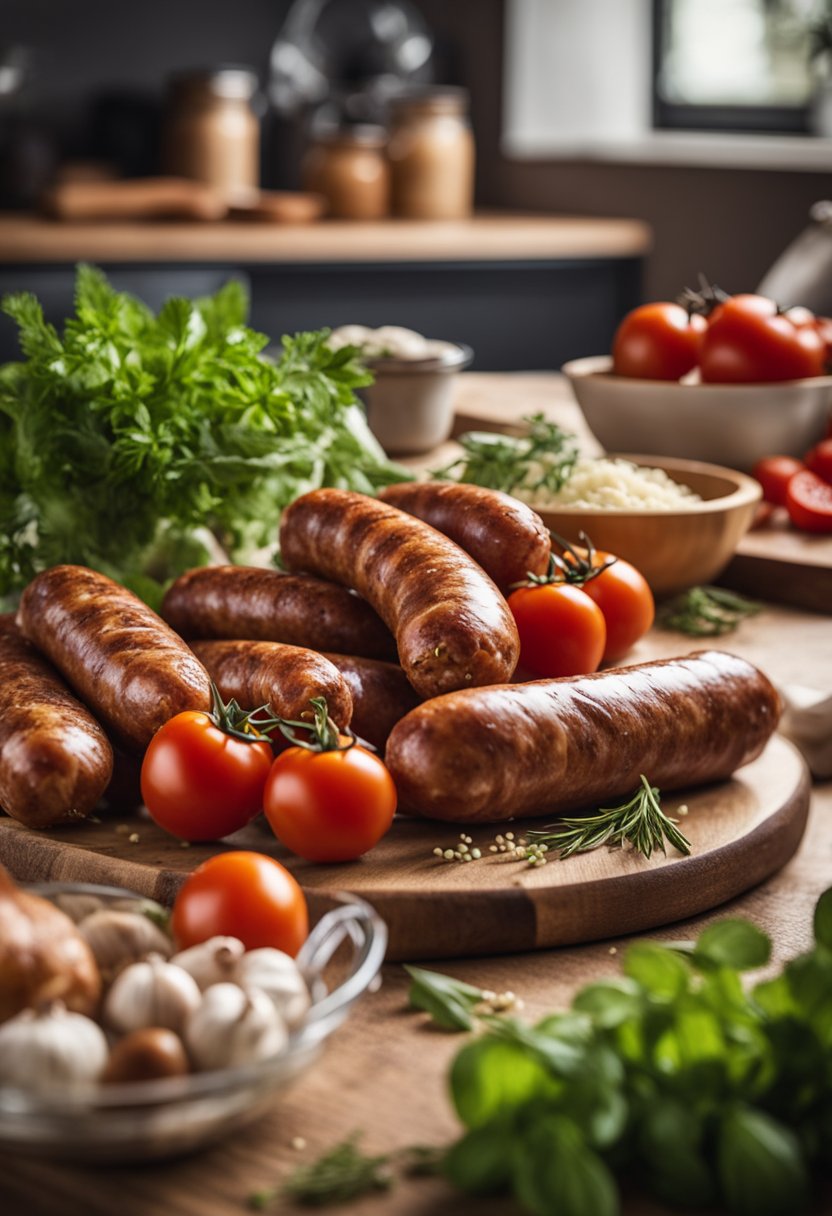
(136, 443)
(543, 458)
(706, 612)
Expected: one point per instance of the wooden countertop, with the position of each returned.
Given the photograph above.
(487, 237)
(384, 1072)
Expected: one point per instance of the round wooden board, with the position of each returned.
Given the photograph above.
(741, 832)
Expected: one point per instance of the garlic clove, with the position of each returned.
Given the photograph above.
(151, 993)
(146, 1055)
(120, 938)
(234, 1026)
(278, 975)
(51, 1046)
(212, 962)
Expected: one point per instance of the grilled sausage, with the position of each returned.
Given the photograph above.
(549, 747)
(55, 761)
(284, 677)
(381, 695)
(453, 629)
(122, 660)
(504, 536)
(267, 606)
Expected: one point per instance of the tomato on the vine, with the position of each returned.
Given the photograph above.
(774, 474)
(562, 631)
(202, 778)
(819, 459)
(624, 596)
(749, 340)
(329, 799)
(809, 502)
(245, 895)
(657, 342)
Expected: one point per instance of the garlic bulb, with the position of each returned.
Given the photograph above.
(278, 975)
(51, 1046)
(212, 962)
(152, 993)
(119, 938)
(233, 1026)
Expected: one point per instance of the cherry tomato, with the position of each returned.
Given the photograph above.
(624, 596)
(819, 460)
(657, 342)
(824, 327)
(244, 895)
(562, 631)
(749, 341)
(774, 474)
(329, 805)
(201, 783)
(809, 502)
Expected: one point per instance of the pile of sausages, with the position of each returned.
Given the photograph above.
(393, 609)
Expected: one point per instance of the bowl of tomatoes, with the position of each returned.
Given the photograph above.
(728, 384)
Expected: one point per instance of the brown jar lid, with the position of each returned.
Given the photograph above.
(233, 81)
(431, 99)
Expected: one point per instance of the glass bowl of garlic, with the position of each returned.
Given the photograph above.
(67, 1087)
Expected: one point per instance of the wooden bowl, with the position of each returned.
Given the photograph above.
(676, 548)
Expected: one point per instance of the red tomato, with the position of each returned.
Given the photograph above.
(774, 474)
(562, 631)
(748, 341)
(657, 342)
(329, 805)
(819, 460)
(809, 502)
(824, 327)
(244, 895)
(200, 783)
(624, 596)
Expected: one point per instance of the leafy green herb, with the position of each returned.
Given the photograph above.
(449, 1002)
(706, 612)
(542, 459)
(640, 822)
(135, 443)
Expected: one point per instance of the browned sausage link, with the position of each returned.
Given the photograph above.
(452, 627)
(554, 745)
(114, 651)
(267, 606)
(381, 695)
(284, 677)
(55, 761)
(504, 536)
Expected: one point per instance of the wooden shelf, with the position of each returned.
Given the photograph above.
(492, 237)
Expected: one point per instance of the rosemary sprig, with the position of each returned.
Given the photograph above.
(706, 612)
(641, 822)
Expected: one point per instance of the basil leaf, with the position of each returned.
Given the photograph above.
(823, 920)
(670, 1144)
(761, 1167)
(555, 1172)
(659, 971)
(734, 943)
(448, 1001)
(609, 1002)
(481, 1161)
(490, 1078)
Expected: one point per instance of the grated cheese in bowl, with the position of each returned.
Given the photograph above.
(609, 485)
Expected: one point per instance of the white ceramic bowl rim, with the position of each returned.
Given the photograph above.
(601, 365)
(453, 360)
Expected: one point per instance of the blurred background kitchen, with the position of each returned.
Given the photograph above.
(510, 174)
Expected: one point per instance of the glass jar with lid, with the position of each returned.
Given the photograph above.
(348, 166)
(431, 153)
(212, 133)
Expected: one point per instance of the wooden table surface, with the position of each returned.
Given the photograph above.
(487, 237)
(384, 1070)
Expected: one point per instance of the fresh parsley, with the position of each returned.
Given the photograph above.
(541, 459)
(137, 443)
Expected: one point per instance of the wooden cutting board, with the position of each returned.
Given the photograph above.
(741, 832)
(776, 562)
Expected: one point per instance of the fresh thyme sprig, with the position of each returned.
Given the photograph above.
(706, 612)
(641, 822)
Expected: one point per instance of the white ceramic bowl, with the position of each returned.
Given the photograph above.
(728, 424)
(150, 1120)
(410, 405)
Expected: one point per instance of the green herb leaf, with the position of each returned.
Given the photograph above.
(480, 1162)
(543, 458)
(556, 1172)
(706, 612)
(734, 943)
(448, 1001)
(339, 1175)
(490, 1078)
(658, 970)
(823, 920)
(761, 1167)
(610, 1002)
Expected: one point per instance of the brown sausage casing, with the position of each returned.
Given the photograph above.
(452, 626)
(381, 696)
(503, 535)
(552, 746)
(55, 760)
(267, 606)
(115, 652)
(284, 677)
